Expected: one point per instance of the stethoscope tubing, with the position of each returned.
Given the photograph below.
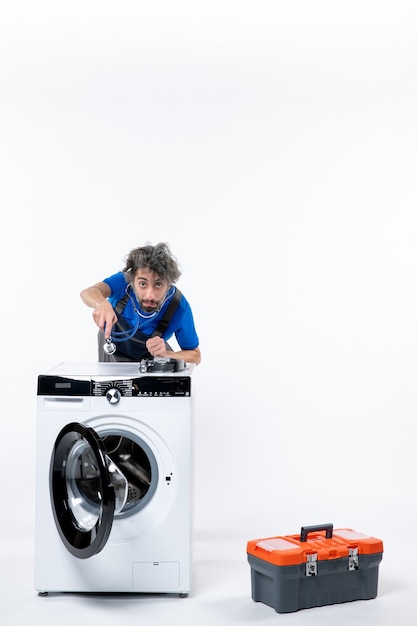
(119, 336)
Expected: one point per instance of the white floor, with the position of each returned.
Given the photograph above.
(221, 594)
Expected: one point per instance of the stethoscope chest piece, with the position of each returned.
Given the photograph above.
(109, 347)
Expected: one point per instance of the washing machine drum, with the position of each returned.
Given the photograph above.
(87, 490)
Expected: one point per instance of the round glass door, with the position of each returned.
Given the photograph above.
(87, 489)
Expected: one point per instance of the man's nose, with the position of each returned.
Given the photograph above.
(150, 293)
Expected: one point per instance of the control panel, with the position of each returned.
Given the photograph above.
(142, 386)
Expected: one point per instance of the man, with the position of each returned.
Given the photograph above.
(139, 309)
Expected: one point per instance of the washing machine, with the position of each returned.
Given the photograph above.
(114, 479)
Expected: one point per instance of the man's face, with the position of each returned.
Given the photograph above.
(150, 290)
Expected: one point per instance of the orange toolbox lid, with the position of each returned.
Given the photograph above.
(321, 540)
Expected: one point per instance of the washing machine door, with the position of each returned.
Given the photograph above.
(83, 495)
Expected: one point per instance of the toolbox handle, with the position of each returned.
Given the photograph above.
(315, 529)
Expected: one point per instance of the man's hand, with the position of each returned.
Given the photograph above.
(156, 347)
(104, 316)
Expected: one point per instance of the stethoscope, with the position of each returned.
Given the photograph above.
(124, 335)
(120, 336)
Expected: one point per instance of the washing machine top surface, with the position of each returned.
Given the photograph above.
(121, 370)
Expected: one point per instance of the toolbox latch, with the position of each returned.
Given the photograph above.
(311, 565)
(353, 559)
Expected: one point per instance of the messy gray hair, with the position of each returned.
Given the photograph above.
(159, 259)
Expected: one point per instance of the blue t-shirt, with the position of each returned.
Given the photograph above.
(181, 324)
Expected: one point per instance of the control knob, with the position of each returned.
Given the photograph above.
(113, 395)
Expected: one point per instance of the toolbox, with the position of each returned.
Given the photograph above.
(319, 566)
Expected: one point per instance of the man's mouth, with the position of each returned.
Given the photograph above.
(149, 306)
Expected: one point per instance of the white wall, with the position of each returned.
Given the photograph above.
(273, 145)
